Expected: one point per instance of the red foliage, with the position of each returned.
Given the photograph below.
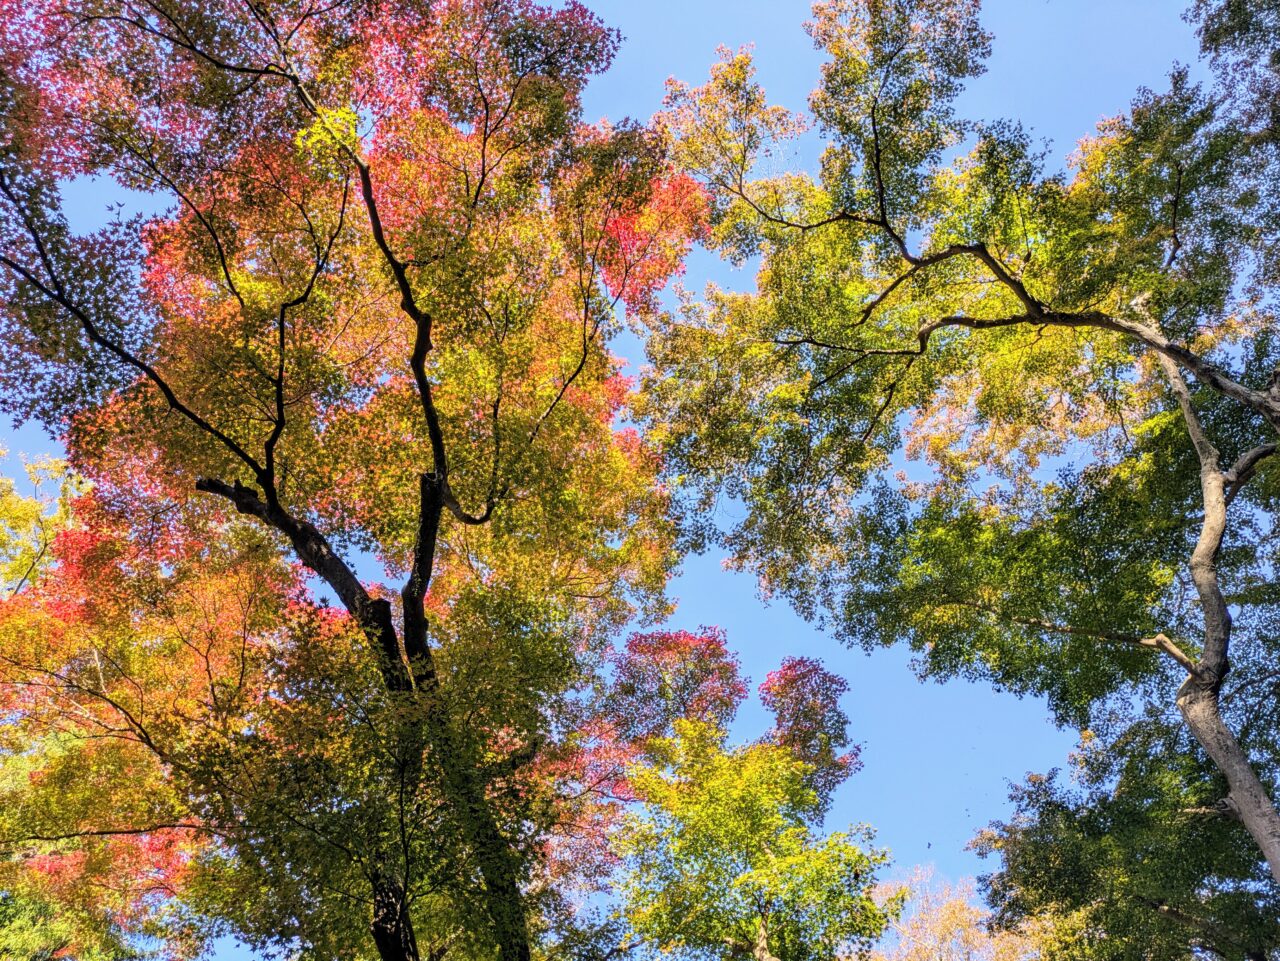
(805, 700)
(649, 240)
(665, 675)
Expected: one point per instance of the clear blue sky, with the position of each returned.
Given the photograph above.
(937, 758)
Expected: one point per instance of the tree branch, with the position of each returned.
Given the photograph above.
(1159, 642)
(1242, 470)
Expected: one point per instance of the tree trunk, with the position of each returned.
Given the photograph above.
(416, 676)
(761, 948)
(408, 670)
(391, 927)
(1199, 693)
(1199, 706)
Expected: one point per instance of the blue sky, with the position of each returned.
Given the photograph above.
(937, 758)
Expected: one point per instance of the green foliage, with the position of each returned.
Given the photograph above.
(933, 441)
(989, 410)
(1135, 862)
(1240, 39)
(35, 931)
(29, 524)
(722, 859)
(1041, 590)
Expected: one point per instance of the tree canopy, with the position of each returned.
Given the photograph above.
(983, 408)
(340, 630)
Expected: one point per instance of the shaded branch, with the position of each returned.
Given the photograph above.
(1159, 642)
(55, 291)
(106, 832)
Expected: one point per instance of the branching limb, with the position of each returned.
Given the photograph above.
(1243, 469)
(106, 832)
(55, 291)
(1222, 808)
(1159, 642)
(416, 646)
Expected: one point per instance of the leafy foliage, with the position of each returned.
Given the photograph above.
(1135, 863)
(723, 857)
(791, 400)
(805, 698)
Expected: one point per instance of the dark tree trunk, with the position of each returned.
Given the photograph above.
(408, 671)
(391, 927)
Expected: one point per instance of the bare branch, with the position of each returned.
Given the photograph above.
(107, 832)
(1159, 642)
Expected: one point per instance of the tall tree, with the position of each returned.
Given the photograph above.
(722, 851)
(935, 289)
(370, 326)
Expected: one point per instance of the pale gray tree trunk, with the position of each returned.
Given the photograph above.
(1198, 697)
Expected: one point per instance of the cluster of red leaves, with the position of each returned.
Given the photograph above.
(665, 675)
(648, 241)
(805, 700)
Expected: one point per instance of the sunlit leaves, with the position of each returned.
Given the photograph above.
(722, 859)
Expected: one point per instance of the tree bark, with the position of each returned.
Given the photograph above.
(1198, 697)
(1199, 707)
(459, 767)
(760, 950)
(391, 926)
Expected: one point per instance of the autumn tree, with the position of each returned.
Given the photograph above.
(36, 924)
(365, 341)
(940, 921)
(1083, 365)
(722, 852)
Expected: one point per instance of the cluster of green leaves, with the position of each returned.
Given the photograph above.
(28, 523)
(1042, 590)
(1135, 861)
(723, 858)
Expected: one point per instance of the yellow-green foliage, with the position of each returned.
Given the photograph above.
(723, 856)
